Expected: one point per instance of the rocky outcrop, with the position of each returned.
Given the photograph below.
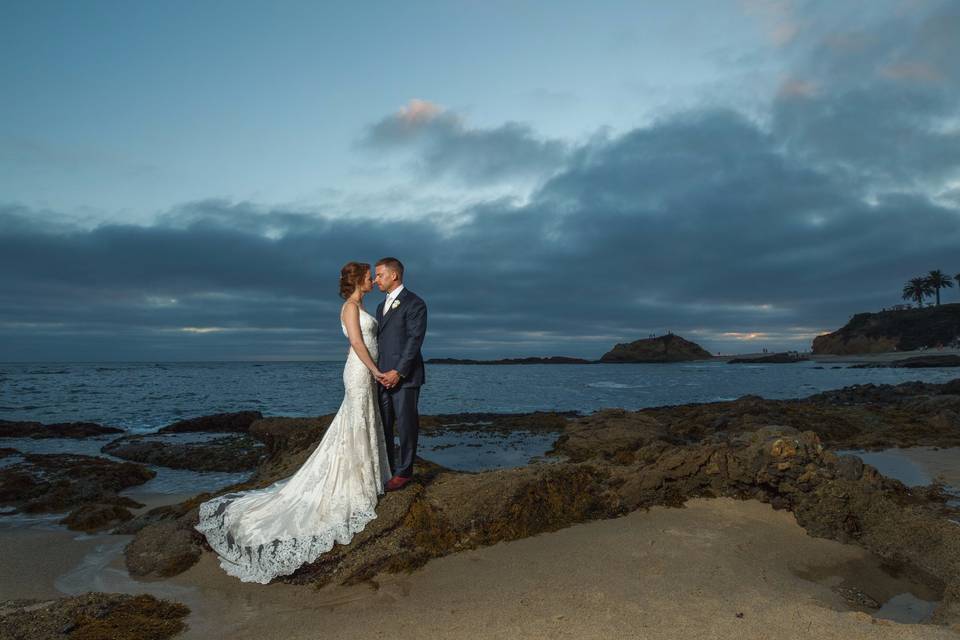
(59, 482)
(668, 348)
(608, 435)
(616, 461)
(38, 430)
(100, 516)
(860, 417)
(165, 548)
(289, 441)
(230, 453)
(903, 330)
(237, 422)
(93, 616)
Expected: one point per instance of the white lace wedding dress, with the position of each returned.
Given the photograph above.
(265, 533)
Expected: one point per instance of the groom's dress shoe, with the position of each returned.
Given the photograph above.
(397, 482)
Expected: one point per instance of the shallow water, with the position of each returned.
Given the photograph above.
(870, 586)
(894, 464)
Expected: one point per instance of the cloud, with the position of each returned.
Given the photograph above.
(878, 99)
(739, 232)
(701, 223)
(446, 147)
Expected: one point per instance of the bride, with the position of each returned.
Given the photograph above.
(264, 533)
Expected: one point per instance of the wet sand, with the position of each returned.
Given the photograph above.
(665, 573)
(32, 560)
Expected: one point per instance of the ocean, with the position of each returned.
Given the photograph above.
(142, 397)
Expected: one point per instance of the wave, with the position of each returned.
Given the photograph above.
(605, 384)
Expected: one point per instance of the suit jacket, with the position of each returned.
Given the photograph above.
(400, 335)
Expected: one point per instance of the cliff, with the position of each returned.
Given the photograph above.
(668, 348)
(903, 330)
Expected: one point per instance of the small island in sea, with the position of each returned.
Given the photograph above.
(665, 348)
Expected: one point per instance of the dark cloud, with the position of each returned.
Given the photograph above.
(879, 101)
(706, 223)
(446, 147)
(700, 224)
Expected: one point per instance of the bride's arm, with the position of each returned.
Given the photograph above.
(351, 319)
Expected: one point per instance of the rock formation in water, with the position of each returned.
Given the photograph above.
(668, 348)
(37, 430)
(231, 453)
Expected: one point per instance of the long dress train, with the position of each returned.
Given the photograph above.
(264, 533)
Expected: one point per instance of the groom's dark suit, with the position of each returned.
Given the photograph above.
(400, 334)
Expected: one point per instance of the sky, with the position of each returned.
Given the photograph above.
(184, 180)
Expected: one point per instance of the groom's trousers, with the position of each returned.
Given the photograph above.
(398, 410)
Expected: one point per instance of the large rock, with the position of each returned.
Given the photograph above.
(99, 516)
(903, 330)
(668, 348)
(607, 434)
(289, 442)
(164, 549)
(860, 417)
(58, 482)
(237, 422)
(90, 616)
(38, 430)
(230, 453)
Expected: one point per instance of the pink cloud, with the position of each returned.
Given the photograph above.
(419, 111)
(796, 88)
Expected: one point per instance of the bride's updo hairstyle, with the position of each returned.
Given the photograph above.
(350, 277)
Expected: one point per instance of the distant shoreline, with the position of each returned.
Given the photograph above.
(887, 356)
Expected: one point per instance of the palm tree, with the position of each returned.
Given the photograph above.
(938, 279)
(917, 289)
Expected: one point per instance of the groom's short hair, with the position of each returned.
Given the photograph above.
(392, 264)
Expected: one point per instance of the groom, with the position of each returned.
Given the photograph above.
(402, 319)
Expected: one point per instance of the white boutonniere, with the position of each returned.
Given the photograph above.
(396, 303)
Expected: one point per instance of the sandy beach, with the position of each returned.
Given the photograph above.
(716, 568)
(665, 573)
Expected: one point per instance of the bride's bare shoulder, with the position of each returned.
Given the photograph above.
(350, 309)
